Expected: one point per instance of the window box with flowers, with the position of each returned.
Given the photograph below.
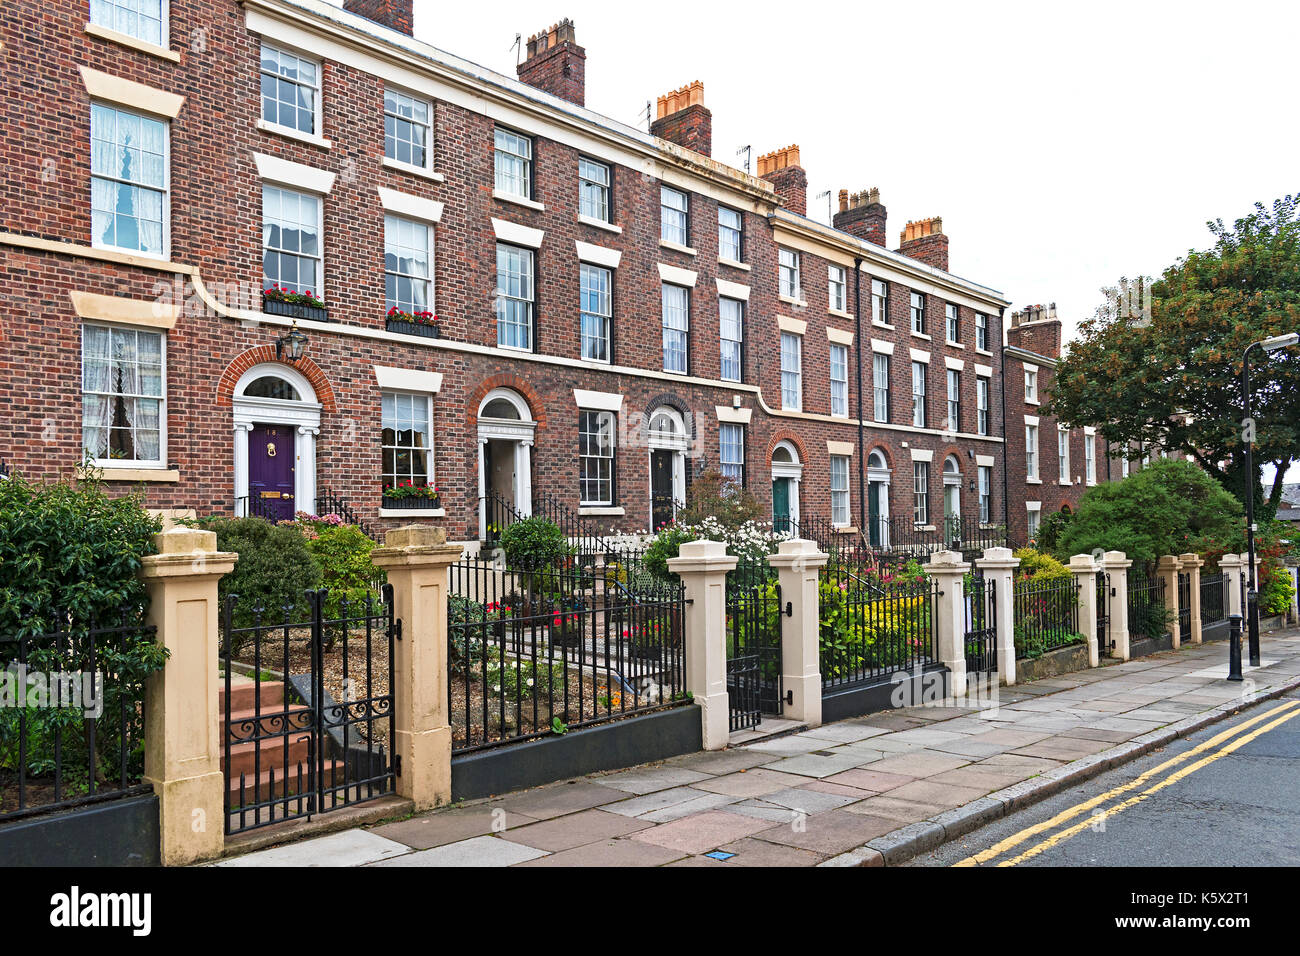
(279, 300)
(412, 323)
(406, 495)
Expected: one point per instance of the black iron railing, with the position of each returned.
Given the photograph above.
(72, 728)
(1045, 616)
(754, 612)
(871, 628)
(254, 506)
(1104, 594)
(541, 651)
(981, 631)
(307, 705)
(1214, 598)
(1147, 614)
(950, 533)
(329, 503)
(1184, 605)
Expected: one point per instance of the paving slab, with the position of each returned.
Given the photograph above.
(557, 799)
(944, 795)
(751, 852)
(701, 832)
(451, 826)
(829, 833)
(478, 851)
(608, 853)
(574, 829)
(720, 761)
(870, 779)
(923, 764)
(818, 765)
(750, 783)
(893, 808)
(650, 779)
(347, 848)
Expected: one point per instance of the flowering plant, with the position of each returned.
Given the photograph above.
(408, 489)
(417, 318)
(278, 293)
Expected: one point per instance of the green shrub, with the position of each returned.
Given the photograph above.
(712, 495)
(343, 554)
(534, 544)
(1275, 596)
(1036, 566)
(275, 567)
(667, 544)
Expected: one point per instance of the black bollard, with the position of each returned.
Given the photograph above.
(1234, 647)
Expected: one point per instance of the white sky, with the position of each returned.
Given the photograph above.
(1063, 145)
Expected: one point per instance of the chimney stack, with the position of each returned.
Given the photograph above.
(781, 168)
(556, 63)
(862, 215)
(682, 118)
(394, 14)
(1037, 329)
(924, 240)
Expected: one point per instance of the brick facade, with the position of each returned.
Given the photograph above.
(213, 273)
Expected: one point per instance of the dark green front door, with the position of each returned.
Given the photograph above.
(876, 489)
(781, 504)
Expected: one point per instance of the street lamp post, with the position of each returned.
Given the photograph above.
(1252, 588)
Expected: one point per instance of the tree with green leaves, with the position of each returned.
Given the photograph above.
(1171, 378)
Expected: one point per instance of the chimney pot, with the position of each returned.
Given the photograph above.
(861, 214)
(682, 118)
(556, 64)
(924, 241)
(781, 168)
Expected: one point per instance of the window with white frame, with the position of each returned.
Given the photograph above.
(790, 284)
(513, 159)
(880, 386)
(593, 190)
(1031, 385)
(1090, 458)
(408, 265)
(129, 181)
(406, 440)
(981, 331)
(731, 321)
(596, 458)
(879, 302)
(985, 479)
(123, 396)
(918, 394)
(952, 322)
(839, 360)
(674, 206)
(837, 281)
(918, 313)
(839, 490)
(290, 90)
(730, 233)
(597, 312)
(1031, 451)
(515, 291)
(1123, 464)
(1031, 522)
(1063, 455)
(791, 371)
(954, 400)
(291, 240)
(981, 405)
(408, 129)
(731, 451)
(920, 492)
(143, 19)
(676, 327)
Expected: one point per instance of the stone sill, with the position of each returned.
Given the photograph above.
(840, 313)
(676, 247)
(599, 224)
(734, 264)
(413, 170)
(517, 200)
(601, 512)
(309, 138)
(412, 512)
(132, 474)
(113, 36)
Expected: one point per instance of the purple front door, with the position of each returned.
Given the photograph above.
(270, 472)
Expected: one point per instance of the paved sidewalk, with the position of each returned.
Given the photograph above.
(901, 781)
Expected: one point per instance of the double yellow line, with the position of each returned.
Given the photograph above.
(1218, 746)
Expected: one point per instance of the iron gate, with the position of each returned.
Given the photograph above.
(981, 633)
(1184, 606)
(754, 612)
(307, 705)
(1104, 594)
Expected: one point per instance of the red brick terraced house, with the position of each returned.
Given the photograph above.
(512, 297)
(1049, 467)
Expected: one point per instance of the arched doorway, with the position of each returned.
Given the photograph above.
(787, 472)
(277, 419)
(878, 476)
(505, 441)
(951, 499)
(667, 439)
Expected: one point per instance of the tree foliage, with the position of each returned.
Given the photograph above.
(1169, 507)
(1174, 381)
